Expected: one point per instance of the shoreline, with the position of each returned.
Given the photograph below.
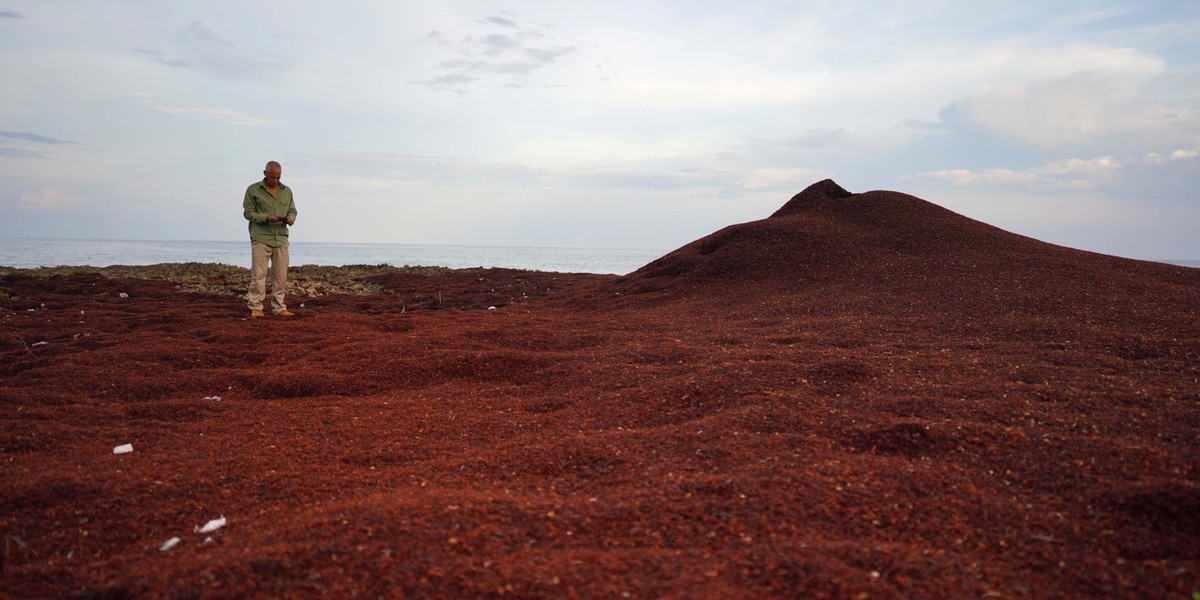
(303, 280)
(50, 253)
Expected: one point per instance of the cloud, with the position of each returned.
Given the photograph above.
(24, 137)
(223, 115)
(204, 113)
(721, 181)
(389, 170)
(11, 14)
(33, 137)
(803, 145)
(780, 179)
(1139, 206)
(51, 200)
(502, 21)
(198, 31)
(496, 44)
(1110, 94)
(1161, 183)
(496, 59)
(1071, 173)
(161, 58)
(21, 153)
(200, 48)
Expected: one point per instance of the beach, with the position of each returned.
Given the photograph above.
(862, 396)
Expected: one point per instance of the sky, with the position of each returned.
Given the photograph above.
(622, 124)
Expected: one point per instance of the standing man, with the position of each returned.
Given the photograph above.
(269, 207)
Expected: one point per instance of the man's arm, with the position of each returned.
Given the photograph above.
(250, 209)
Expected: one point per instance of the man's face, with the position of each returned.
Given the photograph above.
(271, 176)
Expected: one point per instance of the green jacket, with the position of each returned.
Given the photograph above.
(259, 204)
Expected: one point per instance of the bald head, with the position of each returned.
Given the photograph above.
(271, 174)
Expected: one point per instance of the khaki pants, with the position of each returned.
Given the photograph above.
(260, 254)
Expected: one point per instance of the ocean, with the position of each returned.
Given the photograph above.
(47, 252)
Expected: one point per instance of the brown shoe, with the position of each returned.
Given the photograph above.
(256, 314)
(285, 313)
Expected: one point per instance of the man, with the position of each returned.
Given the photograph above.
(269, 207)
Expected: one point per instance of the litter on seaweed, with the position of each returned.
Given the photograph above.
(213, 525)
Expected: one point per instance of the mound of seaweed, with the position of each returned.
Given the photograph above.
(892, 250)
(827, 233)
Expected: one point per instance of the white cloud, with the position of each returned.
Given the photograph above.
(780, 179)
(51, 200)
(1071, 173)
(1175, 156)
(391, 172)
(223, 115)
(1094, 169)
(204, 113)
(199, 47)
(496, 51)
(1108, 92)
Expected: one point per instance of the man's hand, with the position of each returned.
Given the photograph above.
(289, 220)
(272, 219)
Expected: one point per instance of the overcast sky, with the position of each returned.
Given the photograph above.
(602, 124)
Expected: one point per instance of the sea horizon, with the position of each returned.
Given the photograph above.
(34, 252)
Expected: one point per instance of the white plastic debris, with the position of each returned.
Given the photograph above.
(213, 525)
(36, 344)
(123, 295)
(213, 398)
(491, 308)
(167, 545)
(123, 449)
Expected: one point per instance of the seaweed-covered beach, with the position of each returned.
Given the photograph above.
(864, 395)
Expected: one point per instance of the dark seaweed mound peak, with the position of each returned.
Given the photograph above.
(818, 193)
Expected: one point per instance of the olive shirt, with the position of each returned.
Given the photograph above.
(260, 204)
